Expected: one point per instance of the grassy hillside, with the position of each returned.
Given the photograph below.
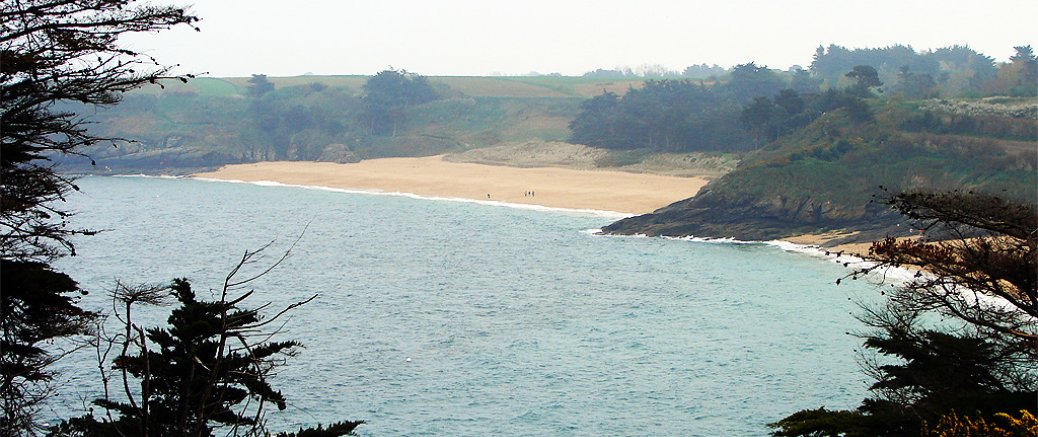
(827, 175)
(214, 121)
(471, 86)
(819, 177)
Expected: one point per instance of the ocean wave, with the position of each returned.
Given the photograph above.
(598, 233)
(719, 240)
(148, 176)
(582, 211)
(890, 275)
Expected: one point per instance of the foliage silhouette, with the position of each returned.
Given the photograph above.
(387, 96)
(53, 51)
(206, 373)
(981, 359)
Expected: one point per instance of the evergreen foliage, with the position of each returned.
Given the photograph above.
(667, 115)
(38, 306)
(982, 281)
(207, 371)
(53, 51)
(295, 123)
(865, 79)
(770, 118)
(259, 85)
(1020, 76)
(749, 81)
(205, 374)
(955, 70)
(387, 96)
(914, 86)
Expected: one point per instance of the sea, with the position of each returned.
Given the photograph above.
(445, 317)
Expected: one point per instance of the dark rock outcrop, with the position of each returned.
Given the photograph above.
(710, 215)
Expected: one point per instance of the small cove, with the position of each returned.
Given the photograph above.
(515, 321)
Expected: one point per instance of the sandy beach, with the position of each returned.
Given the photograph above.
(618, 191)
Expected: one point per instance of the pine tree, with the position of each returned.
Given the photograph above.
(980, 281)
(53, 51)
(206, 373)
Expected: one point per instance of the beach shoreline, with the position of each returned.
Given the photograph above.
(604, 191)
(433, 177)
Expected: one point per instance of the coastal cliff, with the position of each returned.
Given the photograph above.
(833, 174)
(709, 215)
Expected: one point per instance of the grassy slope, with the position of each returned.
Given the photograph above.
(471, 86)
(825, 176)
(819, 178)
(204, 122)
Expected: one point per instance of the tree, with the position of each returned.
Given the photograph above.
(832, 63)
(914, 86)
(993, 251)
(970, 71)
(788, 111)
(759, 117)
(1020, 76)
(865, 78)
(596, 122)
(790, 101)
(38, 306)
(53, 51)
(259, 85)
(387, 96)
(803, 83)
(209, 369)
(662, 115)
(981, 280)
(750, 80)
(702, 71)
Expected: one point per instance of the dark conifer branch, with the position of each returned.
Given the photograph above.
(980, 278)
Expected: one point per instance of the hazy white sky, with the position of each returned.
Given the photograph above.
(481, 37)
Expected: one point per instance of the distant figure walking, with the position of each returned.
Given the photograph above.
(488, 195)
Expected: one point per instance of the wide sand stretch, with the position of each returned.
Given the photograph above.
(432, 176)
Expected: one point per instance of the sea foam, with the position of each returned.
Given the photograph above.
(890, 275)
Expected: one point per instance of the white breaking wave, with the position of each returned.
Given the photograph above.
(720, 240)
(892, 275)
(148, 176)
(598, 233)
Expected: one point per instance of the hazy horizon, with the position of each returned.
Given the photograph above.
(471, 38)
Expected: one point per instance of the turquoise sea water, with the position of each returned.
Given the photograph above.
(449, 318)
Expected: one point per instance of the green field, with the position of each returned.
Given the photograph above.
(471, 86)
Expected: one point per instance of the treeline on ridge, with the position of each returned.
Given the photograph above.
(211, 122)
(715, 114)
(684, 116)
(214, 122)
(819, 155)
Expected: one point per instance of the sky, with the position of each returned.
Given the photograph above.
(490, 37)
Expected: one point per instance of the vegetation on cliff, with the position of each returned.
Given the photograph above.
(815, 144)
(211, 122)
(823, 177)
(829, 152)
